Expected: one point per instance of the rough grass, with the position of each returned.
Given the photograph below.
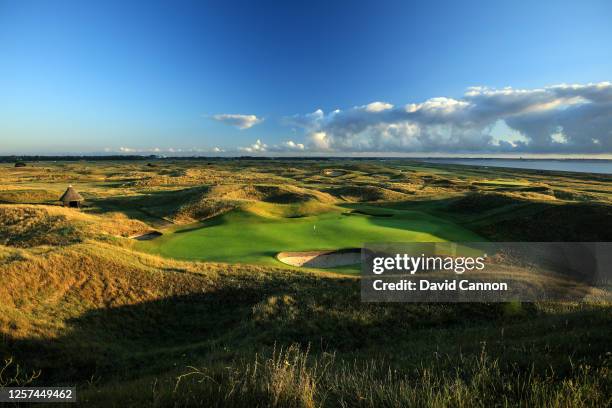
(266, 200)
(295, 210)
(125, 328)
(552, 222)
(202, 209)
(28, 196)
(279, 194)
(28, 225)
(476, 203)
(291, 378)
(365, 193)
(81, 307)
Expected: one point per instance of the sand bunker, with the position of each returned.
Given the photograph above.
(148, 236)
(333, 173)
(321, 259)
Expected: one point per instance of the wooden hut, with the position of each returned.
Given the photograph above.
(71, 198)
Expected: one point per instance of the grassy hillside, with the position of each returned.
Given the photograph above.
(29, 225)
(81, 304)
(125, 327)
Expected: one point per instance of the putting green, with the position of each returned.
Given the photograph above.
(241, 236)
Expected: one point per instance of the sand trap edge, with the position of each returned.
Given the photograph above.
(321, 259)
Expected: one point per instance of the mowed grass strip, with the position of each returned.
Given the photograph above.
(245, 237)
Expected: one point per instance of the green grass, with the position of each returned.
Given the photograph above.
(130, 329)
(241, 236)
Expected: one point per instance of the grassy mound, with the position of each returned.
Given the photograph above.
(126, 328)
(295, 210)
(555, 222)
(442, 182)
(29, 196)
(512, 217)
(180, 174)
(203, 202)
(277, 194)
(366, 193)
(570, 195)
(265, 200)
(28, 225)
(475, 203)
(202, 209)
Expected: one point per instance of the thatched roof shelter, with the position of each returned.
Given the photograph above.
(71, 198)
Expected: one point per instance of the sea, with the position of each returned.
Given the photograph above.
(576, 165)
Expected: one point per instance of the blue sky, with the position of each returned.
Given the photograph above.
(84, 77)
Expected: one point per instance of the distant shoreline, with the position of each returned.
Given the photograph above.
(594, 166)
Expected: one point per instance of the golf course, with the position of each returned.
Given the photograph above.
(246, 237)
(176, 282)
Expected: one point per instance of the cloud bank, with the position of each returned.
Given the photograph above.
(286, 146)
(163, 150)
(240, 121)
(560, 119)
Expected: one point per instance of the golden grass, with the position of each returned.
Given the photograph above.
(66, 282)
(366, 193)
(44, 286)
(202, 209)
(202, 174)
(281, 194)
(265, 200)
(303, 209)
(18, 195)
(291, 378)
(31, 225)
(72, 292)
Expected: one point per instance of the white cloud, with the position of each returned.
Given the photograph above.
(165, 150)
(377, 106)
(290, 145)
(563, 118)
(320, 141)
(240, 121)
(257, 147)
(558, 137)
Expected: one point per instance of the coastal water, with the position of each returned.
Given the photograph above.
(576, 165)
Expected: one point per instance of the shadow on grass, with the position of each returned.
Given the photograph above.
(244, 318)
(162, 201)
(141, 337)
(500, 217)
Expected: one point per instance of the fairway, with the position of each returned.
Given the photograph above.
(241, 236)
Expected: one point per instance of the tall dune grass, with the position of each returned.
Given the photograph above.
(292, 378)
